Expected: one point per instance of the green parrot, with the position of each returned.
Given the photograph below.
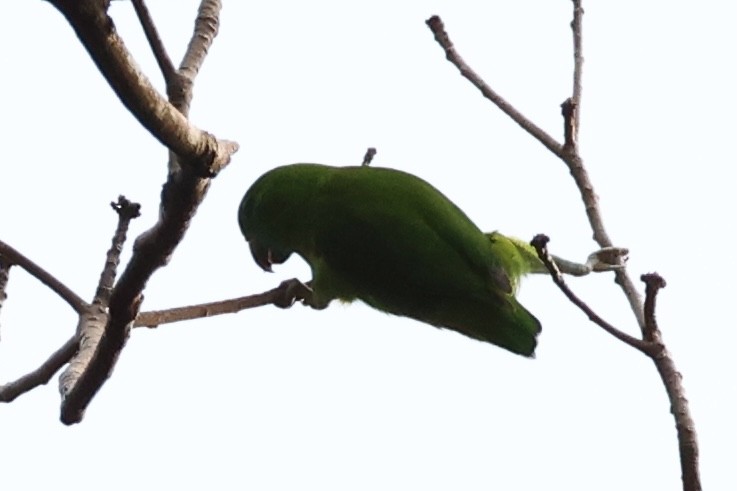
(395, 242)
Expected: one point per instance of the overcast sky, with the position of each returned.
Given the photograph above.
(351, 398)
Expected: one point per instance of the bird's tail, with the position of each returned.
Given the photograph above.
(503, 322)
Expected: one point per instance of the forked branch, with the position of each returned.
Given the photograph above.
(78, 384)
(151, 319)
(540, 243)
(13, 257)
(195, 157)
(651, 342)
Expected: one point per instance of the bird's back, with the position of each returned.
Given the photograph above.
(397, 243)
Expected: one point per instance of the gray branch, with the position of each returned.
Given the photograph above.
(195, 157)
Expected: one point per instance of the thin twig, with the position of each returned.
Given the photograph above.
(570, 126)
(4, 276)
(567, 153)
(154, 318)
(653, 283)
(40, 375)
(571, 110)
(126, 211)
(81, 380)
(651, 343)
(577, 28)
(14, 257)
(539, 242)
(154, 40)
(438, 29)
(571, 157)
(206, 27)
(369, 156)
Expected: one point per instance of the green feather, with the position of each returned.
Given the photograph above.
(393, 241)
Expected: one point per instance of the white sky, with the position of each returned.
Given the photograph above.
(350, 398)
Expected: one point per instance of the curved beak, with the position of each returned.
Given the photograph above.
(262, 255)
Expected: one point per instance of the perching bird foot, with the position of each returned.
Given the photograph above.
(608, 259)
(605, 259)
(294, 290)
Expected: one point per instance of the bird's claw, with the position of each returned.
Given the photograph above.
(291, 291)
(608, 259)
(294, 290)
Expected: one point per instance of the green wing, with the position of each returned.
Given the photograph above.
(395, 242)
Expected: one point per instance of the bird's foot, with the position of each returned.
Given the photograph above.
(608, 259)
(294, 290)
(291, 291)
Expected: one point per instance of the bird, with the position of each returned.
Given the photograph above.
(393, 241)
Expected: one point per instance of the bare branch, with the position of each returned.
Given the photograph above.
(4, 276)
(154, 40)
(370, 154)
(126, 211)
(654, 282)
(569, 110)
(593, 213)
(97, 33)
(438, 29)
(81, 380)
(14, 257)
(195, 157)
(577, 27)
(539, 242)
(651, 343)
(205, 29)
(156, 318)
(568, 153)
(571, 120)
(688, 446)
(181, 196)
(687, 442)
(42, 374)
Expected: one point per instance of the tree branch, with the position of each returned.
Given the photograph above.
(369, 156)
(571, 110)
(126, 211)
(12, 256)
(653, 283)
(577, 28)
(688, 447)
(82, 379)
(195, 157)
(438, 29)
(539, 242)
(4, 276)
(568, 153)
(154, 318)
(42, 374)
(154, 40)
(205, 29)
(97, 33)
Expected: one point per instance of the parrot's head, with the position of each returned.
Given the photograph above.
(264, 217)
(273, 216)
(261, 233)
